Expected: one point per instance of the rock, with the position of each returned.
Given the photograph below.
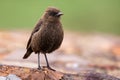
(10, 77)
(47, 74)
(2, 78)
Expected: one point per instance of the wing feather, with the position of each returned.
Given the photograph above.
(36, 28)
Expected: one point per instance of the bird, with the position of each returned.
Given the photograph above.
(46, 36)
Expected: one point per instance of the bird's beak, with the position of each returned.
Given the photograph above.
(59, 14)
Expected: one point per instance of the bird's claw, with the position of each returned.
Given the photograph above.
(50, 68)
(39, 68)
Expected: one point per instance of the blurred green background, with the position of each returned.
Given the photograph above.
(79, 15)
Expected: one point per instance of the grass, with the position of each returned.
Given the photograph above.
(79, 15)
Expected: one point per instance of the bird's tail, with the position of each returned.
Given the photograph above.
(27, 54)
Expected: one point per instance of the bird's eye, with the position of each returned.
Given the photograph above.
(53, 13)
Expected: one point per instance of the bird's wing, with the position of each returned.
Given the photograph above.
(37, 27)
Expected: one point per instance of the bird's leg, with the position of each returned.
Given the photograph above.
(48, 66)
(39, 61)
(46, 60)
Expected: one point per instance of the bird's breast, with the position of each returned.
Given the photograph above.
(48, 38)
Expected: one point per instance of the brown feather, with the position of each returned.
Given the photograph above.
(36, 28)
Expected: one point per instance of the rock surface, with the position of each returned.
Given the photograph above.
(10, 77)
(46, 74)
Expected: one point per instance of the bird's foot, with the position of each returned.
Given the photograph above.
(50, 68)
(39, 68)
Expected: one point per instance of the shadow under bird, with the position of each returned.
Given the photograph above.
(47, 35)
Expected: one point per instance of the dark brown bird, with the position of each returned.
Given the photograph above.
(47, 35)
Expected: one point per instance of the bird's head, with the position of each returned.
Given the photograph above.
(52, 14)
